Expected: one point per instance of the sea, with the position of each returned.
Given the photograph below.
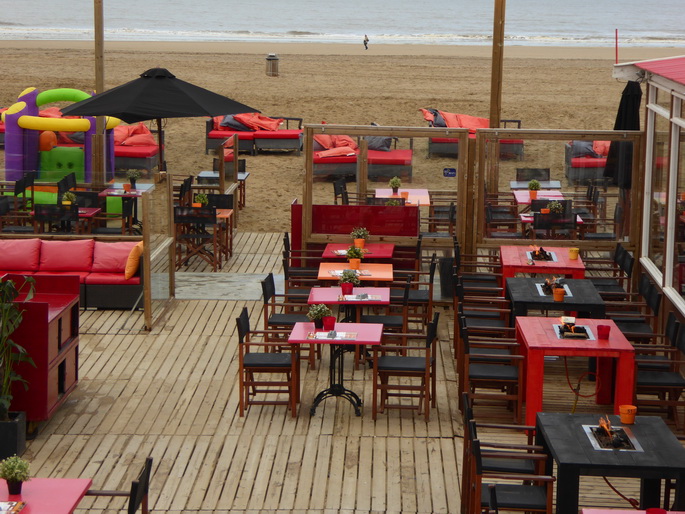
(430, 22)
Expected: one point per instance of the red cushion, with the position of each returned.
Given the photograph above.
(80, 274)
(16, 272)
(67, 255)
(588, 162)
(110, 279)
(136, 151)
(257, 121)
(278, 134)
(398, 157)
(111, 257)
(140, 140)
(223, 134)
(19, 254)
(444, 140)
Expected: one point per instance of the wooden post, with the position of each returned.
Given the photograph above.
(98, 149)
(497, 59)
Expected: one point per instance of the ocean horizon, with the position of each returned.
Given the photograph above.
(459, 22)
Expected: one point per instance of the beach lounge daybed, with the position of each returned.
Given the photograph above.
(336, 156)
(135, 147)
(585, 160)
(447, 146)
(255, 132)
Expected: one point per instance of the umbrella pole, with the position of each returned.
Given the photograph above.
(160, 138)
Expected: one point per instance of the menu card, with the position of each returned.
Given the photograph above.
(350, 336)
(339, 272)
(362, 297)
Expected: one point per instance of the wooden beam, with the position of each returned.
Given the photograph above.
(497, 63)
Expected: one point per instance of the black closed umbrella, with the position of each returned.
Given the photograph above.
(157, 94)
(619, 164)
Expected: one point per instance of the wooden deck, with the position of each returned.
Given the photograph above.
(172, 394)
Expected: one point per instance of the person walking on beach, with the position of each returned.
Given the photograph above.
(366, 41)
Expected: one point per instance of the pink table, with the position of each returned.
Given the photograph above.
(371, 250)
(522, 196)
(49, 495)
(514, 260)
(621, 511)
(538, 338)
(416, 196)
(360, 334)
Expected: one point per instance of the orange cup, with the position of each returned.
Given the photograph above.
(627, 413)
(405, 195)
(559, 293)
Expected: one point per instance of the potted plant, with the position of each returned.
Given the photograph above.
(200, 200)
(392, 203)
(68, 198)
(12, 425)
(354, 256)
(533, 188)
(360, 235)
(555, 207)
(348, 280)
(395, 184)
(317, 312)
(132, 176)
(15, 471)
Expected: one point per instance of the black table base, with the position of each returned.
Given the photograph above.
(335, 381)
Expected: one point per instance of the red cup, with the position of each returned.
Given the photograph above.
(603, 331)
(329, 323)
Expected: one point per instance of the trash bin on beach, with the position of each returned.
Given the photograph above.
(272, 65)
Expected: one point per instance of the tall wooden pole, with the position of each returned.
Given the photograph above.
(99, 158)
(497, 60)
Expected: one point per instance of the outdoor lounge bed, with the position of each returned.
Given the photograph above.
(288, 135)
(585, 160)
(449, 147)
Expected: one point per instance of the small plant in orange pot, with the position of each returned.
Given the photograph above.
(354, 256)
(360, 235)
(533, 188)
(201, 200)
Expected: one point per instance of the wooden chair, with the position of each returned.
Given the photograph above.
(124, 220)
(89, 199)
(637, 319)
(57, 218)
(611, 278)
(16, 222)
(138, 495)
(442, 225)
(528, 174)
(407, 363)
(196, 235)
(256, 366)
(501, 225)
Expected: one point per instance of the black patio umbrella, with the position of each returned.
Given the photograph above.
(619, 164)
(157, 94)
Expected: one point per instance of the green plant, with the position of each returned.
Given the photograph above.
(354, 253)
(201, 198)
(534, 185)
(11, 352)
(14, 469)
(555, 207)
(349, 276)
(318, 311)
(359, 233)
(395, 182)
(133, 174)
(69, 197)
(392, 202)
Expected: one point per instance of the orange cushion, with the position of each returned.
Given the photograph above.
(427, 115)
(601, 147)
(66, 255)
(111, 257)
(140, 140)
(473, 122)
(324, 140)
(133, 260)
(335, 152)
(50, 112)
(19, 254)
(343, 141)
(120, 134)
(257, 121)
(451, 119)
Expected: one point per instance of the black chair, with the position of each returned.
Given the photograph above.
(654, 356)
(441, 226)
(611, 279)
(114, 223)
(22, 202)
(138, 495)
(219, 201)
(637, 320)
(528, 174)
(57, 218)
(255, 366)
(502, 224)
(420, 292)
(611, 230)
(196, 235)
(556, 226)
(405, 362)
(13, 221)
(89, 199)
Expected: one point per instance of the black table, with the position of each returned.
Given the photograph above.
(524, 294)
(563, 437)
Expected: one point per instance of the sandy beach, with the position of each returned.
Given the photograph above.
(545, 87)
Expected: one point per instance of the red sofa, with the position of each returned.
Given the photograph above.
(100, 266)
(381, 165)
(251, 141)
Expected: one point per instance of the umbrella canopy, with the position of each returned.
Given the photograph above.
(157, 94)
(619, 164)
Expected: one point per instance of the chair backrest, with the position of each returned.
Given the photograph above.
(20, 186)
(140, 488)
(219, 201)
(87, 199)
(433, 266)
(268, 288)
(527, 174)
(195, 215)
(5, 206)
(672, 328)
(127, 205)
(372, 200)
(243, 324)
(432, 330)
(54, 213)
(339, 187)
(286, 242)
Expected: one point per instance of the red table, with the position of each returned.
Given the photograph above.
(538, 338)
(364, 334)
(522, 196)
(370, 271)
(334, 296)
(49, 495)
(371, 250)
(416, 196)
(515, 259)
